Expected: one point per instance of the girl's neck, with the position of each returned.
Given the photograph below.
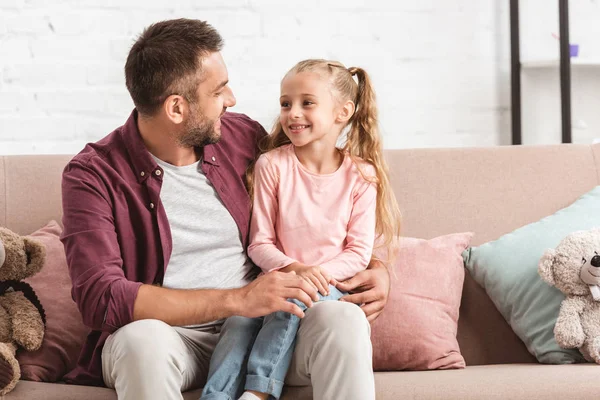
(320, 160)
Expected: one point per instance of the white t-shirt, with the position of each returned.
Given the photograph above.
(207, 247)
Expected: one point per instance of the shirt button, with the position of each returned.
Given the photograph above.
(214, 159)
(157, 172)
(151, 205)
(142, 173)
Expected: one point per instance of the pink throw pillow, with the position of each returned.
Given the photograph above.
(417, 329)
(65, 332)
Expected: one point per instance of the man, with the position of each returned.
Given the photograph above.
(156, 219)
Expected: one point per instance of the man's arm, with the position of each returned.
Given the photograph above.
(99, 287)
(265, 295)
(370, 289)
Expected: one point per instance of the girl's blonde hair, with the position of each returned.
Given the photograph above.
(362, 141)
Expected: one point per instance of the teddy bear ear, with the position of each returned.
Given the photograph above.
(545, 266)
(36, 254)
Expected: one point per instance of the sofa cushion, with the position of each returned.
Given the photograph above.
(65, 331)
(417, 329)
(507, 269)
(498, 382)
(60, 391)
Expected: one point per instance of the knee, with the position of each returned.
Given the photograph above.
(144, 341)
(338, 314)
(344, 325)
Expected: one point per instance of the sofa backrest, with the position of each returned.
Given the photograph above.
(30, 192)
(489, 191)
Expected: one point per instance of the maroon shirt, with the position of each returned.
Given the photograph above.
(116, 232)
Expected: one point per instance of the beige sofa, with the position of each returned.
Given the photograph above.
(489, 191)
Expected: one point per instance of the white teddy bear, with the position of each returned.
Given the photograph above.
(574, 268)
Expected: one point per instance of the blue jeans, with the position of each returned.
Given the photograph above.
(255, 354)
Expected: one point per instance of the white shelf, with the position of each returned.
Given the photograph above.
(555, 63)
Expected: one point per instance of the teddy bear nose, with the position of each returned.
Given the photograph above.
(595, 261)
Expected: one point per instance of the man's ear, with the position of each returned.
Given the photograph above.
(346, 112)
(545, 266)
(175, 107)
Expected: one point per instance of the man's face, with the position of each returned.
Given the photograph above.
(203, 125)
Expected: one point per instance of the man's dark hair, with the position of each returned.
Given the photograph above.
(166, 59)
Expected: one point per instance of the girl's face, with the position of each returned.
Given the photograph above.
(309, 113)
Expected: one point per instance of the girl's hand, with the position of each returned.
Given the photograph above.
(314, 274)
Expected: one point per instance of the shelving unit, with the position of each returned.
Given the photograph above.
(575, 62)
(564, 63)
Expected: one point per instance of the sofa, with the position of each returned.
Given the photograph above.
(489, 191)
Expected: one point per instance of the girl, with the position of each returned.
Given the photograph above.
(317, 209)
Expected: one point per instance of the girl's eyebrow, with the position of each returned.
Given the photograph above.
(301, 94)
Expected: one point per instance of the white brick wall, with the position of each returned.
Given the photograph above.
(441, 68)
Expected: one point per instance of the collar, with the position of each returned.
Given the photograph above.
(140, 157)
(209, 155)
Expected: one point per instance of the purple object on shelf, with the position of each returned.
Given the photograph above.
(574, 50)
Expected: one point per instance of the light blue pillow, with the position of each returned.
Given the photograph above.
(507, 269)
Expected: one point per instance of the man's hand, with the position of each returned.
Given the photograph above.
(370, 289)
(269, 293)
(313, 274)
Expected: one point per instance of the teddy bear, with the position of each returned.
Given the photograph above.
(22, 317)
(574, 268)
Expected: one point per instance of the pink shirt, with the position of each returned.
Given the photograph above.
(326, 220)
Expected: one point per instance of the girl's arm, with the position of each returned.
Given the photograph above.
(360, 238)
(262, 249)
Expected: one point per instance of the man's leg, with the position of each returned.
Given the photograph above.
(149, 359)
(333, 352)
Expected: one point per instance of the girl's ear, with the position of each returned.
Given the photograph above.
(346, 112)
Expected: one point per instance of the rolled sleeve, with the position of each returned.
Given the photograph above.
(104, 296)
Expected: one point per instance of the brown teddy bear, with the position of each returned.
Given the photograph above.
(574, 268)
(22, 317)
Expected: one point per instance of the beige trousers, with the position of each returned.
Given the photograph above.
(149, 359)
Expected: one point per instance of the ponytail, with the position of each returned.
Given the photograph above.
(364, 141)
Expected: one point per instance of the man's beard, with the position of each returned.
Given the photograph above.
(199, 132)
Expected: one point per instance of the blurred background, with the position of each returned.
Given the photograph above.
(441, 68)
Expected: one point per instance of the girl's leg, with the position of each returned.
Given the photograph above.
(272, 352)
(229, 360)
